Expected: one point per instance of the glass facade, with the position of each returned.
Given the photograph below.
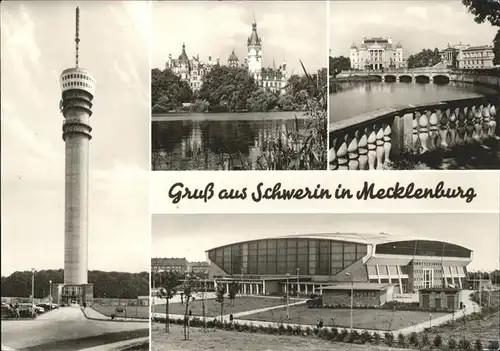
(423, 248)
(281, 256)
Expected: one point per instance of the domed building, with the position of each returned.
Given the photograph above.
(311, 263)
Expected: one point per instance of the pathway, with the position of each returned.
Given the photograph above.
(470, 307)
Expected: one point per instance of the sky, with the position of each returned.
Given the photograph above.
(191, 235)
(289, 30)
(37, 45)
(416, 24)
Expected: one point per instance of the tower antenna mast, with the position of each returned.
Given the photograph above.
(77, 34)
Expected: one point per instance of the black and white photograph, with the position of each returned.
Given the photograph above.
(325, 281)
(75, 216)
(239, 85)
(414, 85)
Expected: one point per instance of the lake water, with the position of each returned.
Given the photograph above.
(355, 98)
(204, 141)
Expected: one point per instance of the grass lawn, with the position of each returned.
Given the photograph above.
(229, 340)
(241, 304)
(363, 319)
(486, 329)
(132, 311)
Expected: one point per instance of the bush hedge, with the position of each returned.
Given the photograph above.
(334, 334)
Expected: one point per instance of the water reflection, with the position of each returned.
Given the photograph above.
(199, 144)
(350, 99)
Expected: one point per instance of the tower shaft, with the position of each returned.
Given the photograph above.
(76, 211)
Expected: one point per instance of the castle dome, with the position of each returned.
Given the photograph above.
(399, 46)
(183, 56)
(232, 57)
(353, 46)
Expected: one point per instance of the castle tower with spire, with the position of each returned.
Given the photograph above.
(254, 55)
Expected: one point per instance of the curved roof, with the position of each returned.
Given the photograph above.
(358, 238)
(233, 57)
(183, 56)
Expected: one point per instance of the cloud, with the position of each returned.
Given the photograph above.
(417, 11)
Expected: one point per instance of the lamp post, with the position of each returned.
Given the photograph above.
(33, 286)
(287, 295)
(352, 296)
(298, 285)
(241, 282)
(205, 302)
(50, 293)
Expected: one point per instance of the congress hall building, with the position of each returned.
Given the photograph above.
(317, 263)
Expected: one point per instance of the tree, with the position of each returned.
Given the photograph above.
(339, 64)
(425, 58)
(234, 289)
(484, 10)
(227, 89)
(168, 91)
(188, 288)
(219, 297)
(262, 100)
(120, 285)
(168, 291)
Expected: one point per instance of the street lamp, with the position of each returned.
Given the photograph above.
(298, 289)
(287, 307)
(241, 282)
(352, 294)
(50, 293)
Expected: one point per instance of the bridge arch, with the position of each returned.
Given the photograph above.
(390, 78)
(405, 78)
(441, 79)
(377, 76)
(422, 78)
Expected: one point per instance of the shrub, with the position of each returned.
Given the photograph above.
(376, 338)
(425, 340)
(493, 345)
(297, 330)
(309, 331)
(289, 330)
(341, 336)
(335, 333)
(413, 339)
(349, 338)
(401, 339)
(452, 344)
(365, 337)
(438, 341)
(464, 344)
(388, 338)
(478, 345)
(355, 336)
(281, 329)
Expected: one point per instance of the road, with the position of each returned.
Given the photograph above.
(63, 328)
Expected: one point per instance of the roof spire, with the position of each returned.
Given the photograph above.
(77, 35)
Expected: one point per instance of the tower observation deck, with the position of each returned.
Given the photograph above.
(78, 90)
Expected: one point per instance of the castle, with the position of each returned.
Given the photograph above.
(193, 70)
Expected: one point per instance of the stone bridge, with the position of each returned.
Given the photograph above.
(372, 140)
(407, 75)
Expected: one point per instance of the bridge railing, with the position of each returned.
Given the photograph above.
(371, 140)
(426, 70)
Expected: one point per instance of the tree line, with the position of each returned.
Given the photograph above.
(228, 89)
(106, 284)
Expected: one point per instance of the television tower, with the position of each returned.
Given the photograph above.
(78, 88)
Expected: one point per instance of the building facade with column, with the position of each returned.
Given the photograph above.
(376, 53)
(476, 57)
(308, 263)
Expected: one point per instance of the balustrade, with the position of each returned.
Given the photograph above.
(369, 141)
